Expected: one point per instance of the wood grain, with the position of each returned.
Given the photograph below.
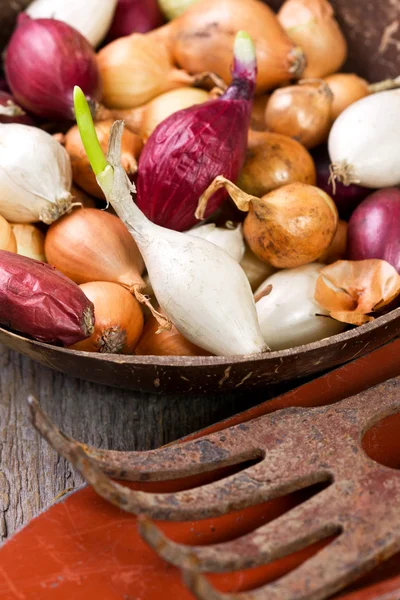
(31, 474)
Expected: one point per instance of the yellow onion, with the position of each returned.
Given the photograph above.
(311, 24)
(274, 160)
(289, 227)
(137, 68)
(7, 237)
(202, 39)
(144, 119)
(30, 241)
(82, 172)
(257, 122)
(118, 319)
(165, 343)
(346, 88)
(302, 112)
(337, 249)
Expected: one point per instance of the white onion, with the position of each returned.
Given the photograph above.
(364, 141)
(287, 315)
(231, 240)
(92, 18)
(35, 175)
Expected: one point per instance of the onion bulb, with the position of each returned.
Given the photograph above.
(229, 238)
(289, 227)
(35, 175)
(135, 69)
(81, 198)
(256, 270)
(337, 249)
(288, 314)
(118, 319)
(274, 160)
(312, 26)
(81, 170)
(364, 139)
(346, 88)
(30, 241)
(165, 343)
(301, 111)
(92, 18)
(7, 237)
(202, 40)
(135, 16)
(257, 122)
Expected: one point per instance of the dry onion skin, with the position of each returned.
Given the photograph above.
(118, 319)
(81, 198)
(337, 249)
(257, 122)
(274, 160)
(7, 237)
(311, 24)
(289, 227)
(346, 88)
(202, 39)
(30, 241)
(82, 172)
(352, 289)
(302, 112)
(165, 343)
(137, 68)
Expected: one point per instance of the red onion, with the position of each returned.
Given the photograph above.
(3, 86)
(135, 16)
(374, 228)
(346, 197)
(10, 112)
(45, 59)
(41, 302)
(190, 148)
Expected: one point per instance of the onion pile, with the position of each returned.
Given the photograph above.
(222, 101)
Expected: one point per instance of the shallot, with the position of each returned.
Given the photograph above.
(134, 16)
(229, 238)
(30, 241)
(165, 343)
(7, 237)
(346, 88)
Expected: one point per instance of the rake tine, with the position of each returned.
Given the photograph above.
(302, 526)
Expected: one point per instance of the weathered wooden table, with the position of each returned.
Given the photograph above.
(31, 474)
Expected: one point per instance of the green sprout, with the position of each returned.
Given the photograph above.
(88, 133)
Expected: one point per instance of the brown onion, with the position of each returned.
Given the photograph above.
(338, 247)
(346, 89)
(274, 160)
(289, 227)
(311, 24)
(137, 68)
(7, 237)
(165, 343)
(301, 111)
(81, 197)
(118, 319)
(257, 122)
(30, 241)
(82, 171)
(202, 39)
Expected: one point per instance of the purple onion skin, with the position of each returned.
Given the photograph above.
(374, 228)
(135, 16)
(190, 148)
(5, 100)
(37, 300)
(45, 59)
(346, 197)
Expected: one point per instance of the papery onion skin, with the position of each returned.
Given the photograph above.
(29, 241)
(202, 39)
(374, 228)
(302, 112)
(165, 343)
(346, 197)
(274, 160)
(45, 59)
(311, 25)
(7, 237)
(347, 88)
(134, 16)
(291, 226)
(257, 122)
(93, 245)
(7, 102)
(119, 319)
(193, 146)
(81, 170)
(289, 314)
(38, 301)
